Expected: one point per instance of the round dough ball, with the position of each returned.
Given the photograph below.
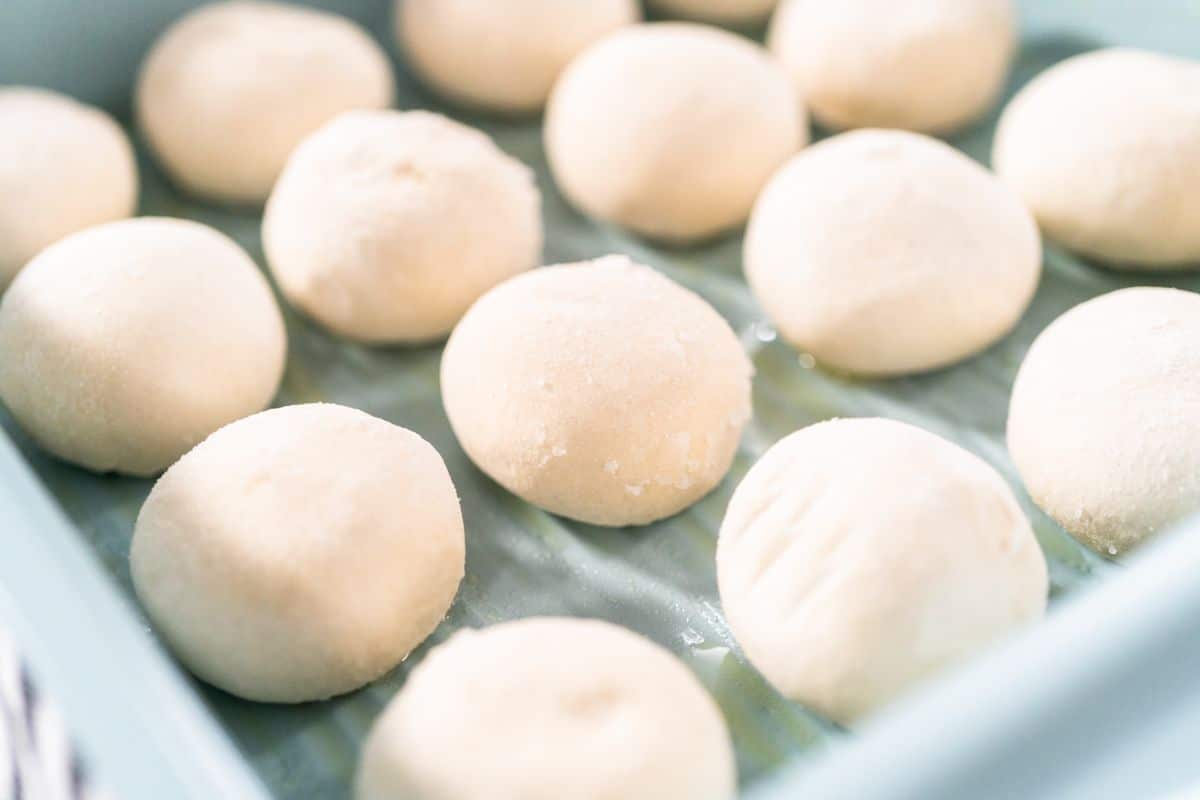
(549, 708)
(924, 65)
(600, 391)
(1105, 150)
(124, 345)
(671, 129)
(231, 88)
(720, 12)
(502, 56)
(860, 556)
(64, 166)
(885, 253)
(299, 553)
(385, 226)
(1104, 424)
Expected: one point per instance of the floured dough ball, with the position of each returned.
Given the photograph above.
(549, 708)
(124, 345)
(600, 391)
(1104, 424)
(720, 12)
(671, 129)
(858, 557)
(925, 65)
(64, 166)
(886, 252)
(502, 56)
(231, 88)
(385, 226)
(299, 553)
(1105, 150)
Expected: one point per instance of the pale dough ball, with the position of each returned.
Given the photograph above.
(502, 56)
(671, 129)
(124, 345)
(886, 252)
(924, 65)
(720, 12)
(385, 226)
(231, 88)
(1105, 150)
(64, 166)
(600, 391)
(299, 553)
(546, 709)
(858, 557)
(1104, 424)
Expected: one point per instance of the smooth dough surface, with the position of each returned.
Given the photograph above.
(299, 553)
(549, 708)
(720, 12)
(502, 56)
(385, 226)
(887, 252)
(125, 344)
(1104, 148)
(601, 391)
(859, 557)
(1104, 423)
(64, 166)
(925, 65)
(232, 87)
(671, 129)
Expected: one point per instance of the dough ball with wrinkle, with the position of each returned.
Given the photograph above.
(860, 557)
(125, 344)
(502, 56)
(64, 166)
(932, 66)
(601, 391)
(671, 129)
(549, 708)
(299, 553)
(718, 12)
(232, 87)
(1104, 148)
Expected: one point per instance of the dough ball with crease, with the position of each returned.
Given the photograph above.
(299, 553)
(860, 557)
(549, 708)
(601, 391)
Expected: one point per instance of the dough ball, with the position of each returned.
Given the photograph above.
(385, 226)
(1104, 424)
(299, 553)
(231, 88)
(885, 253)
(924, 65)
(124, 345)
(671, 129)
(549, 708)
(502, 56)
(1105, 150)
(64, 166)
(600, 391)
(858, 557)
(719, 12)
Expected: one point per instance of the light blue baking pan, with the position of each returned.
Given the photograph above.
(1102, 700)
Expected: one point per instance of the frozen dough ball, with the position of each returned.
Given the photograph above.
(886, 252)
(299, 553)
(64, 166)
(502, 56)
(600, 391)
(385, 226)
(231, 88)
(124, 345)
(924, 65)
(1104, 423)
(1104, 148)
(549, 708)
(671, 129)
(720, 12)
(859, 557)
